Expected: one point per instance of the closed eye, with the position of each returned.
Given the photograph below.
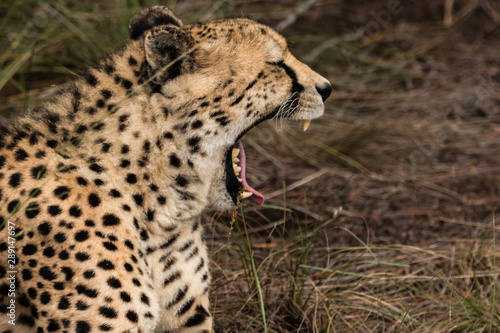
(280, 63)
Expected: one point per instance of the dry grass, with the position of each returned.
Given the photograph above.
(383, 216)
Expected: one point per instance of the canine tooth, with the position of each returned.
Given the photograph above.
(235, 153)
(239, 179)
(306, 124)
(245, 195)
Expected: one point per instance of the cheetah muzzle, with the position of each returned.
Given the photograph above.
(102, 189)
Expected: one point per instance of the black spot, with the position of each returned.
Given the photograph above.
(75, 211)
(68, 272)
(53, 326)
(114, 283)
(82, 327)
(45, 228)
(194, 141)
(29, 249)
(81, 305)
(89, 274)
(52, 143)
(2, 161)
(161, 200)
(15, 180)
(26, 274)
(82, 181)
(107, 312)
(38, 172)
(63, 255)
(198, 318)
(237, 100)
(109, 68)
(129, 244)
(222, 120)
(32, 292)
(98, 182)
(146, 147)
(81, 129)
(132, 61)
(138, 199)
(62, 192)
(136, 282)
(82, 256)
(181, 181)
(33, 193)
(217, 113)
(97, 126)
(94, 200)
(168, 135)
(185, 307)
(64, 304)
(49, 252)
(174, 160)
(26, 320)
(178, 296)
(105, 327)
(125, 149)
(106, 93)
(89, 223)
(145, 299)
(32, 210)
(54, 210)
(60, 237)
(132, 316)
(21, 155)
(106, 265)
(90, 78)
(96, 168)
(110, 220)
(105, 147)
(170, 241)
(46, 273)
(124, 164)
(110, 246)
(58, 285)
(81, 236)
(131, 178)
(171, 278)
(127, 84)
(13, 206)
(197, 124)
(84, 290)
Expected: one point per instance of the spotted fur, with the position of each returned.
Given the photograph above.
(105, 185)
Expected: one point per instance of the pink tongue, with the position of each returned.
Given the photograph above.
(257, 197)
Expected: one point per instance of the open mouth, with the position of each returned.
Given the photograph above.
(236, 171)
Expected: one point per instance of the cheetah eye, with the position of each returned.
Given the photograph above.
(280, 63)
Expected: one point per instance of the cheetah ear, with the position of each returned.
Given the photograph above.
(169, 53)
(149, 18)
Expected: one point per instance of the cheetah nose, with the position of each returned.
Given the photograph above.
(324, 89)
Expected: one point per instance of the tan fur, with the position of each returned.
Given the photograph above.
(125, 247)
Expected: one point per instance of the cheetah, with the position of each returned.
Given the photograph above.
(102, 189)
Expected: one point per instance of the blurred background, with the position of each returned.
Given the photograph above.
(382, 216)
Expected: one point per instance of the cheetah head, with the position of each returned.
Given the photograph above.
(232, 74)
